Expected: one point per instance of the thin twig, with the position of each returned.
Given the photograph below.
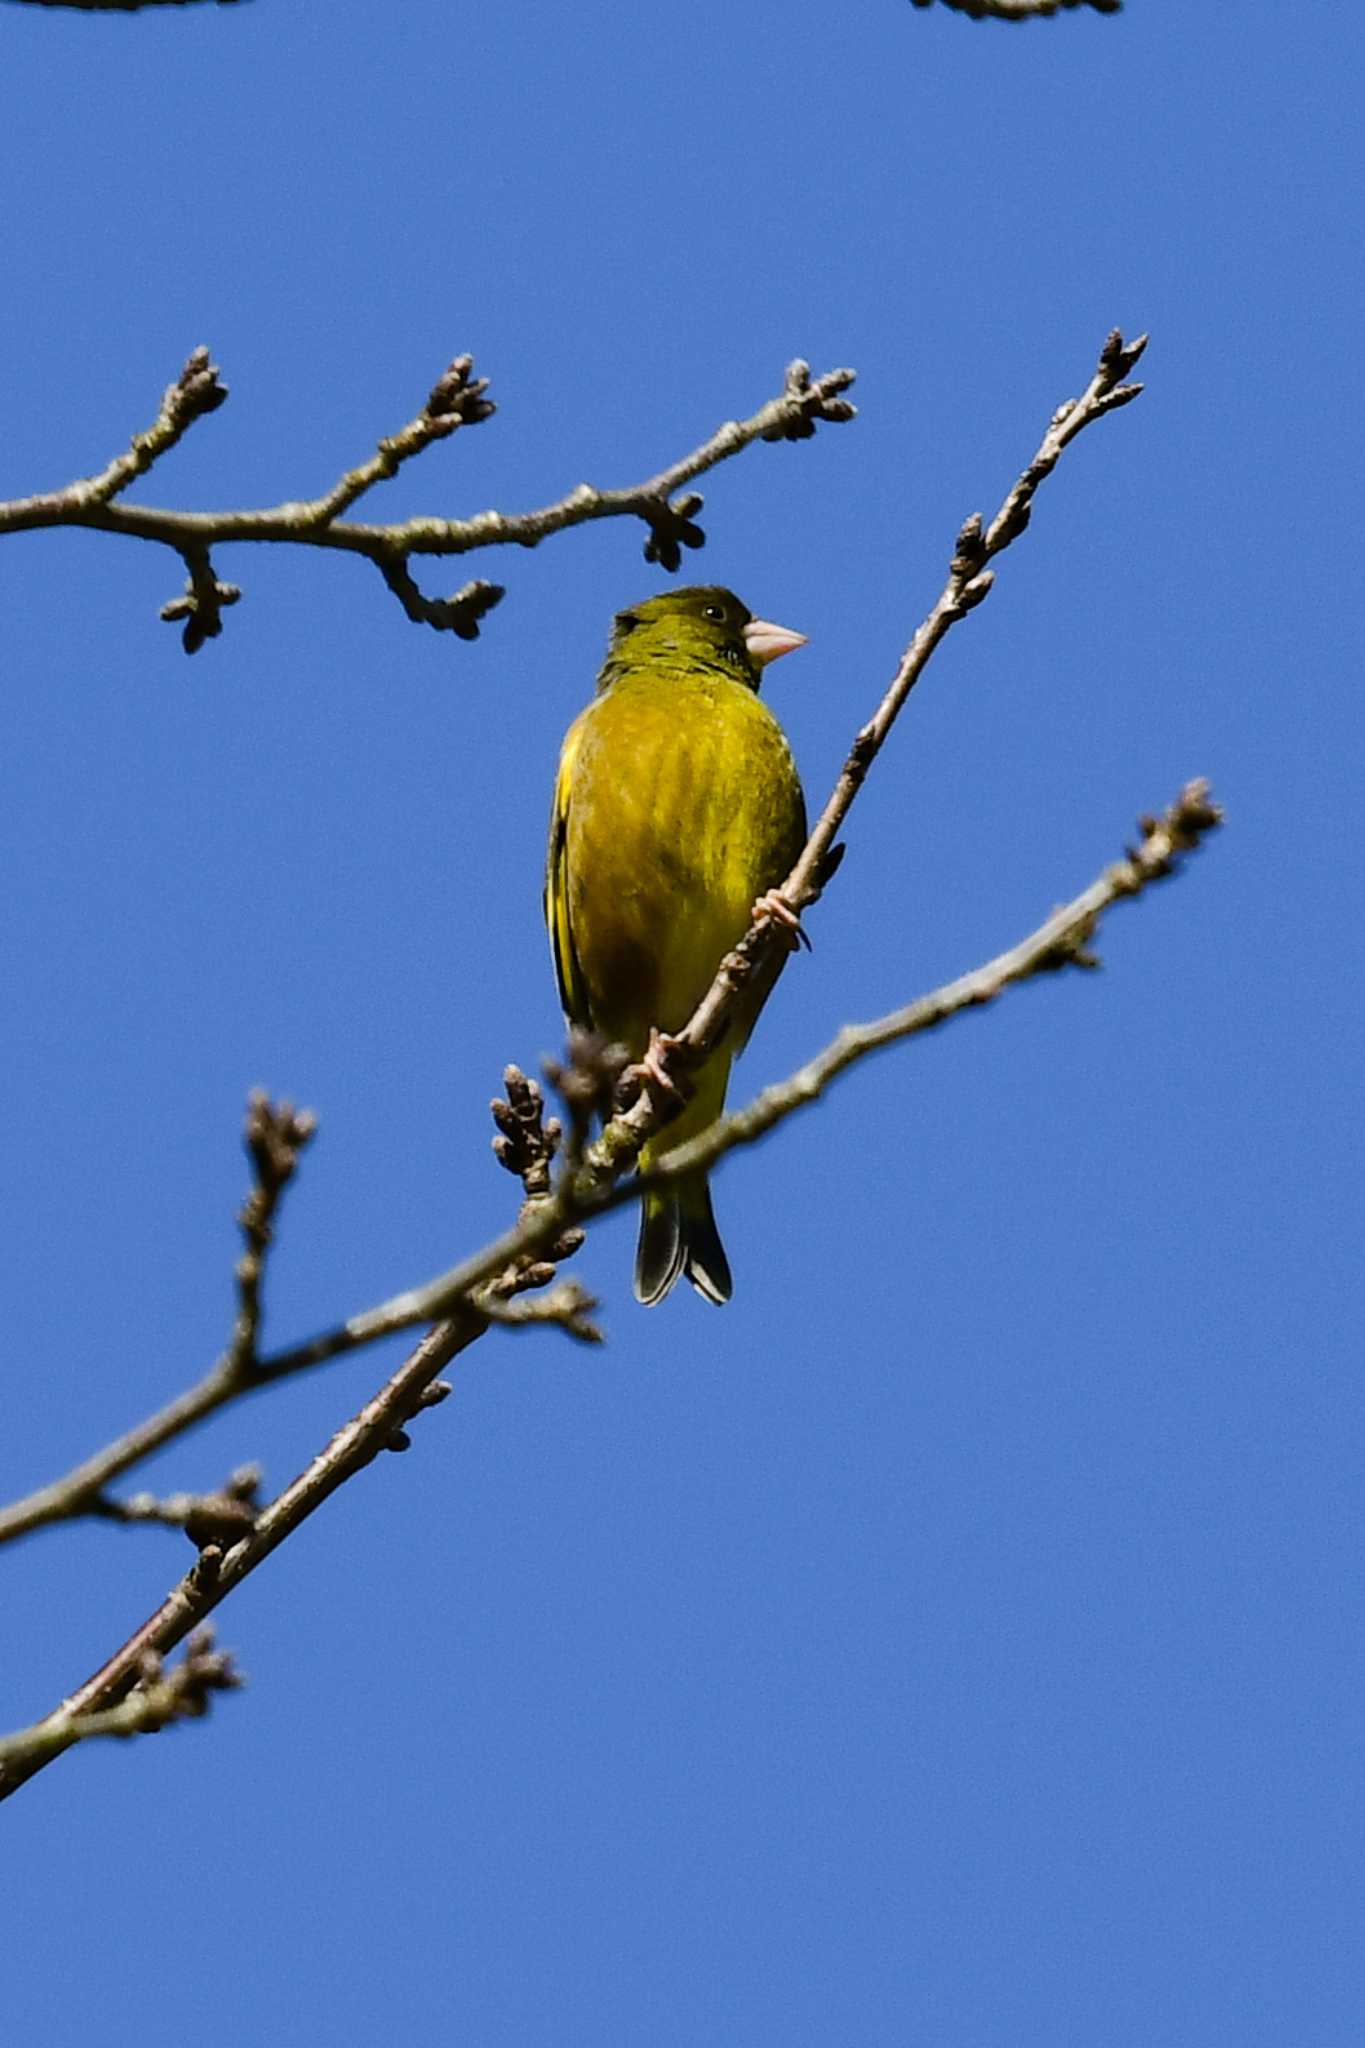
(527, 1140)
(223, 1517)
(1064, 938)
(456, 400)
(526, 1144)
(197, 391)
(159, 1697)
(569, 1306)
(274, 1135)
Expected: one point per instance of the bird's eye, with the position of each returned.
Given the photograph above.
(714, 611)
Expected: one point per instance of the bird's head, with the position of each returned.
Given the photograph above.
(706, 625)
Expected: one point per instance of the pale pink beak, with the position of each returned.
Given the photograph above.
(766, 641)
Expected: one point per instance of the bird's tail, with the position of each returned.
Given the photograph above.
(678, 1231)
(678, 1234)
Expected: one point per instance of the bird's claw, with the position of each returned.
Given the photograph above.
(650, 1066)
(772, 907)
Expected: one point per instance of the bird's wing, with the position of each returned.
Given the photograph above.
(573, 994)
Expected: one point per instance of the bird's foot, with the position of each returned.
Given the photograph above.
(773, 908)
(650, 1066)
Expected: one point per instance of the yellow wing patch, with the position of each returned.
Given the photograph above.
(573, 994)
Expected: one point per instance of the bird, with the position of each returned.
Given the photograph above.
(677, 811)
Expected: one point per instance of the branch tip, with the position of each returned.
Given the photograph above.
(457, 397)
(460, 614)
(196, 391)
(1118, 356)
(202, 603)
(527, 1141)
(275, 1134)
(672, 527)
(806, 401)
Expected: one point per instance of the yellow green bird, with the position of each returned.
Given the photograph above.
(677, 812)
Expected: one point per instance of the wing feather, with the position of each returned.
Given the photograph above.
(573, 993)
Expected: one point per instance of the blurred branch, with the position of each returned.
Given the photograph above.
(118, 6)
(456, 400)
(1020, 10)
(206, 1518)
(159, 1697)
(569, 1307)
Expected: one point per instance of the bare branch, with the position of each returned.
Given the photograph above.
(456, 400)
(274, 1135)
(217, 1572)
(118, 6)
(597, 1187)
(159, 1697)
(1063, 939)
(524, 1256)
(568, 1306)
(198, 390)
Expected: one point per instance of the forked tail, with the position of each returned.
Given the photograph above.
(678, 1234)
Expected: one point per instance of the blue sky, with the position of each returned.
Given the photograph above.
(957, 1640)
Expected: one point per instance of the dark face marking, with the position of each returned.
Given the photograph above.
(706, 621)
